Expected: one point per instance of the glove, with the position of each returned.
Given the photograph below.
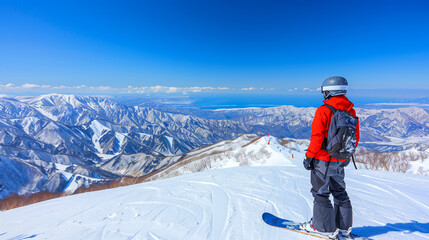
(308, 163)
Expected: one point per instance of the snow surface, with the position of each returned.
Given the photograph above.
(246, 150)
(225, 204)
(74, 180)
(46, 113)
(170, 141)
(99, 130)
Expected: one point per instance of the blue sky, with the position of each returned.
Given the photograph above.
(195, 46)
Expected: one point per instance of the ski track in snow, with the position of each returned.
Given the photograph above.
(225, 204)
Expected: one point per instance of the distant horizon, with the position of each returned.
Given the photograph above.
(213, 101)
(35, 90)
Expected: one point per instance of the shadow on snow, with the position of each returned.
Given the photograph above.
(22, 237)
(413, 226)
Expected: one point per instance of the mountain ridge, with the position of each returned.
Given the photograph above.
(97, 133)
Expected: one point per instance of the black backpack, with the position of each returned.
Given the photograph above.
(341, 141)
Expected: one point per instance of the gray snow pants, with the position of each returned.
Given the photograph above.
(325, 217)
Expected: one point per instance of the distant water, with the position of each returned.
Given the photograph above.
(361, 98)
(269, 100)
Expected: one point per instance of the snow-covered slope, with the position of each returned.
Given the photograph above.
(246, 150)
(226, 204)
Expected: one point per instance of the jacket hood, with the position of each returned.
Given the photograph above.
(340, 102)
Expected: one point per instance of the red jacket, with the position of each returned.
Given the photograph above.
(320, 127)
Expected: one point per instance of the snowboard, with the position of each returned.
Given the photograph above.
(275, 221)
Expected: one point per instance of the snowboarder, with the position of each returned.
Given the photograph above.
(327, 172)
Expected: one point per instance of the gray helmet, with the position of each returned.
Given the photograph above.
(334, 86)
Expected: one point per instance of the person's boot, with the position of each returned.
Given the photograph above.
(347, 233)
(334, 235)
(308, 226)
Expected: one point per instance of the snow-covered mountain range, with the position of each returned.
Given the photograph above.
(43, 137)
(381, 129)
(60, 142)
(226, 202)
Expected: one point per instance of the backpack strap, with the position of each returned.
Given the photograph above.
(354, 161)
(333, 110)
(325, 140)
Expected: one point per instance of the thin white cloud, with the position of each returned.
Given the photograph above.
(164, 89)
(44, 88)
(172, 90)
(7, 86)
(248, 89)
(100, 88)
(60, 87)
(303, 89)
(30, 85)
(10, 87)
